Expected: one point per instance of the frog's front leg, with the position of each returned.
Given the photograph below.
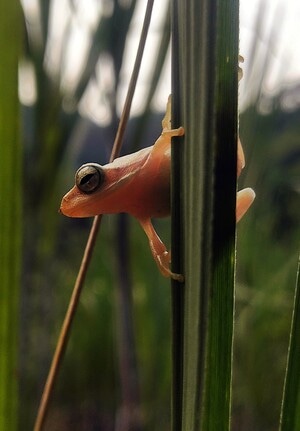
(246, 196)
(159, 251)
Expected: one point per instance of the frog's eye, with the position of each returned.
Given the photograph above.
(89, 178)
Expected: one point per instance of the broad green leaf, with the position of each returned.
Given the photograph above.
(205, 57)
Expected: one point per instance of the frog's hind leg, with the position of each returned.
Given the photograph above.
(244, 200)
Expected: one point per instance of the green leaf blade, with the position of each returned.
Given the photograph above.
(206, 90)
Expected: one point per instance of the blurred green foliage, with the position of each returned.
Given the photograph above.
(56, 140)
(10, 212)
(268, 246)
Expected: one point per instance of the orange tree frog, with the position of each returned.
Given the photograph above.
(137, 184)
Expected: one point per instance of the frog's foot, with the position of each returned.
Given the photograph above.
(159, 251)
(244, 200)
(166, 122)
(173, 132)
(163, 263)
(240, 158)
(240, 70)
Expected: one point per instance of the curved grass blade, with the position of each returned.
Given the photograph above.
(290, 411)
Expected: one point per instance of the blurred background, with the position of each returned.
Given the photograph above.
(73, 75)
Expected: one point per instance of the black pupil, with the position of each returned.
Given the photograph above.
(86, 179)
